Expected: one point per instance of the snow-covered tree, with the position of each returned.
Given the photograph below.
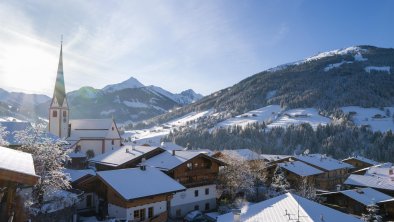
(235, 177)
(306, 189)
(279, 181)
(373, 214)
(49, 157)
(3, 134)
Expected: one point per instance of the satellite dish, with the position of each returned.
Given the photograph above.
(306, 152)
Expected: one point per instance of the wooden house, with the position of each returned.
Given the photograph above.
(16, 167)
(335, 171)
(197, 172)
(296, 172)
(356, 201)
(359, 162)
(135, 194)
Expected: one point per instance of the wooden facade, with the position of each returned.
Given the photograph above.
(358, 164)
(198, 171)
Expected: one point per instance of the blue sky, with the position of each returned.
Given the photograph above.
(176, 44)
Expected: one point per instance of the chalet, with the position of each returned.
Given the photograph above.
(356, 201)
(335, 171)
(124, 157)
(135, 194)
(195, 170)
(16, 167)
(272, 159)
(380, 177)
(284, 208)
(297, 171)
(359, 162)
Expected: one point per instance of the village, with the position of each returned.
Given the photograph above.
(113, 177)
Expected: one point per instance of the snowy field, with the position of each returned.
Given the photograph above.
(266, 114)
(300, 116)
(376, 118)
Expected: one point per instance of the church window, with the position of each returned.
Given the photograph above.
(54, 113)
(113, 128)
(64, 113)
(113, 142)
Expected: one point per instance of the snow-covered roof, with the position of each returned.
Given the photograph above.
(121, 155)
(78, 174)
(323, 161)
(77, 154)
(285, 208)
(271, 157)
(300, 168)
(373, 181)
(167, 161)
(244, 154)
(171, 146)
(366, 196)
(381, 170)
(87, 124)
(17, 162)
(135, 183)
(362, 159)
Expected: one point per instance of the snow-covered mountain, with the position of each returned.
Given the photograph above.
(128, 101)
(318, 85)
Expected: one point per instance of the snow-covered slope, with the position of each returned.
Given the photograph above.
(376, 119)
(300, 116)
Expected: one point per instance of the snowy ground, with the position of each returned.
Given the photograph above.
(299, 116)
(266, 114)
(274, 116)
(153, 135)
(370, 117)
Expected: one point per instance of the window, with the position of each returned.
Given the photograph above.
(196, 207)
(150, 212)
(206, 191)
(178, 212)
(89, 201)
(189, 165)
(207, 206)
(113, 142)
(196, 193)
(113, 128)
(142, 214)
(136, 214)
(64, 113)
(54, 113)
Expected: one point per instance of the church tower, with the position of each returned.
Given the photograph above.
(58, 111)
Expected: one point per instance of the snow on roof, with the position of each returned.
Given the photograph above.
(244, 154)
(362, 159)
(78, 174)
(271, 157)
(86, 124)
(171, 146)
(300, 168)
(323, 161)
(16, 161)
(136, 183)
(76, 154)
(373, 181)
(381, 170)
(366, 196)
(167, 161)
(285, 208)
(121, 155)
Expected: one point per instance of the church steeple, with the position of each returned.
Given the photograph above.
(58, 111)
(60, 90)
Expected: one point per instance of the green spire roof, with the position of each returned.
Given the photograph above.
(60, 90)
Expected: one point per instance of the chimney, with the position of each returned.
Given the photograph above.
(173, 152)
(237, 215)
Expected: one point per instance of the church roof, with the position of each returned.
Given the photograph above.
(60, 90)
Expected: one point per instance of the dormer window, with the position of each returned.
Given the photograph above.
(54, 113)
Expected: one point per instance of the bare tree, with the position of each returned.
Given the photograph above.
(3, 134)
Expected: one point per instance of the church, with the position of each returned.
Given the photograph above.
(92, 136)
